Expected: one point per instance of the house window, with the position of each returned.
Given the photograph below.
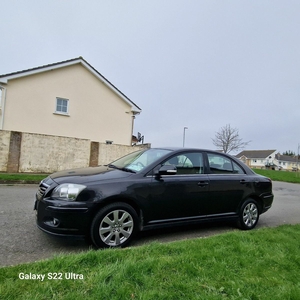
(62, 106)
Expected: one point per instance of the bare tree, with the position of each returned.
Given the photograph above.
(227, 139)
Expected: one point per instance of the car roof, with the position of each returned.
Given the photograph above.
(189, 149)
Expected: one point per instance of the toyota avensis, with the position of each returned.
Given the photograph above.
(150, 189)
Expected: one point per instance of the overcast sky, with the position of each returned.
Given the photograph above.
(190, 63)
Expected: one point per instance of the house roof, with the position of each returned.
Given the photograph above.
(255, 153)
(286, 158)
(79, 60)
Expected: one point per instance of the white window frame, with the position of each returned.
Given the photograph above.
(60, 112)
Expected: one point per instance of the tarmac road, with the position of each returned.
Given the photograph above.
(21, 241)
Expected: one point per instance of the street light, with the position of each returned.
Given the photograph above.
(184, 135)
(298, 158)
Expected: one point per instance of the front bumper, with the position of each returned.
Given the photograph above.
(62, 218)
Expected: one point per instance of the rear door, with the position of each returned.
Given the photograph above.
(228, 185)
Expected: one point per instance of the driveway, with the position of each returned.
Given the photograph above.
(21, 241)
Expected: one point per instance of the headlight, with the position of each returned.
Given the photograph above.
(67, 191)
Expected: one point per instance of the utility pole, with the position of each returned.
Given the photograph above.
(184, 136)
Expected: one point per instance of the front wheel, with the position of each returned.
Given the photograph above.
(114, 226)
(248, 215)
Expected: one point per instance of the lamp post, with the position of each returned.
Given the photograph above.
(298, 157)
(184, 135)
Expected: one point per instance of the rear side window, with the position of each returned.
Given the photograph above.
(220, 164)
(237, 169)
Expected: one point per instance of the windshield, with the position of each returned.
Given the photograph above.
(137, 161)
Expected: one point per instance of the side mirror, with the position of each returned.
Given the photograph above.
(167, 170)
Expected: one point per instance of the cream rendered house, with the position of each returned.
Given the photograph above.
(68, 98)
(257, 158)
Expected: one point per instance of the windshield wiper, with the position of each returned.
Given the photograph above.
(122, 169)
(127, 170)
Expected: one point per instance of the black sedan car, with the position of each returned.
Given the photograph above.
(150, 189)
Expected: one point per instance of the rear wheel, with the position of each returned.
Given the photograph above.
(114, 226)
(248, 215)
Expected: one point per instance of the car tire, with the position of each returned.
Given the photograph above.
(248, 215)
(115, 225)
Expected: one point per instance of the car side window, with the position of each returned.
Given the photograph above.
(187, 163)
(220, 164)
(237, 169)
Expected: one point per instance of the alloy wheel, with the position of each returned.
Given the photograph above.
(250, 214)
(116, 227)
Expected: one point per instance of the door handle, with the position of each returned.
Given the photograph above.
(202, 183)
(243, 181)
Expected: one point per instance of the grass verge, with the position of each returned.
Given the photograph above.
(292, 177)
(261, 264)
(21, 178)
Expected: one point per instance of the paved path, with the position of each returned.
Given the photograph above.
(21, 241)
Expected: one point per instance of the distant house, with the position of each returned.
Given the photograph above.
(257, 158)
(69, 99)
(268, 159)
(287, 162)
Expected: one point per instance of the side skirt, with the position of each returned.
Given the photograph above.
(189, 221)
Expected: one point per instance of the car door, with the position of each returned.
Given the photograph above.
(179, 196)
(228, 185)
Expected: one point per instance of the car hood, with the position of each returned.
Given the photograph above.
(89, 175)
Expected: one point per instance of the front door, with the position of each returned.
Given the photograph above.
(182, 196)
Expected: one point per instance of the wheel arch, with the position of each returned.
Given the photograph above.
(253, 197)
(115, 199)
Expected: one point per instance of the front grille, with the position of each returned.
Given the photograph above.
(41, 191)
